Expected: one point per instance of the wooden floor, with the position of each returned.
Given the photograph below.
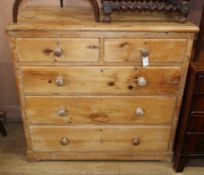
(13, 162)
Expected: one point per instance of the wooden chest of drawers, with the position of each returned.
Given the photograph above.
(84, 91)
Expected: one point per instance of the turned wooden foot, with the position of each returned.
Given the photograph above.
(179, 163)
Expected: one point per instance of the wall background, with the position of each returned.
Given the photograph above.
(8, 93)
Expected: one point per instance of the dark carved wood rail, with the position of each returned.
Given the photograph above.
(93, 2)
(181, 6)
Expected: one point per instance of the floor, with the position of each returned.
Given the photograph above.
(13, 162)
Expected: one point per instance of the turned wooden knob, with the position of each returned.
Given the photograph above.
(58, 52)
(62, 112)
(140, 112)
(136, 141)
(144, 52)
(141, 81)
(60, 81)
(64, 141)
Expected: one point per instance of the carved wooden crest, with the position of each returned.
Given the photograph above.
(181, 6)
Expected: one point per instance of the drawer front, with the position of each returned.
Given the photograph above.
(100, 139)
(194, 143)
(198, 103)
(57, 50)
(200, 83)
(104, 110)
(160, 50)
(103, 80)
(196, 123)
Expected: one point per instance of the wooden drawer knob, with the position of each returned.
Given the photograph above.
(140, 112)
(136, 141)
(64, 141)
(144, 52)
(60, 81)
(62, 112)
(58, 52)
(141, 81)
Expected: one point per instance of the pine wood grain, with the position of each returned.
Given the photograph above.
(100, 139)
(100, 80)
(129, 50)
(165, 78)
(100, 110)
(44, 48)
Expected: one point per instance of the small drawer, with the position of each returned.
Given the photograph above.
(200, 83)
(130, 50)
(51, 50)
(129, 139)
(198, 103)
(101, 80)
(196, 123)
(100, 110)
(194, 143)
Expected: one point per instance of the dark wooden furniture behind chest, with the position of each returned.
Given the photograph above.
(190, 142)
(190, 135)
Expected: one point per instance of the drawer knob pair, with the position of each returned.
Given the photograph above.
(62, 112)
(59, 81)
(141, 81)
(136, 141)
(64, 141)
(140, 112)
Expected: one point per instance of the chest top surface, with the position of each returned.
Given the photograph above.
(75, 18)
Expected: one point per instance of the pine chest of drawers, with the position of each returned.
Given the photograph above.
(84, 92)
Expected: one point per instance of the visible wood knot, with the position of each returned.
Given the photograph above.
(111, 83)
(47, 51)
(123, 44)
(50, 81)
(130, 87)
(92, 47)
(99, 117)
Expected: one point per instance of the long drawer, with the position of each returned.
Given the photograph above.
(103, 80)
(53, 50)
(104, 110)
(130, 50)
(99, 139)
